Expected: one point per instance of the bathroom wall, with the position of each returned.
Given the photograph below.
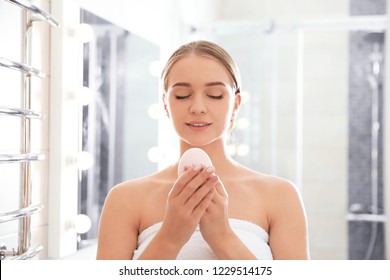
(324, 180)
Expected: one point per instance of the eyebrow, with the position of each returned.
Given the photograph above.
(182, 84)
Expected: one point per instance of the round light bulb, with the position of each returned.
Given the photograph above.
(243, 150)
(82, 223)
(85, 33)
(155, 68)
(84, 160)
(242, 123)
(155, 154)
(155, 111)
(84, 96)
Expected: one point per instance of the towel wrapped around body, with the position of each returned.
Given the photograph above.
(252, 235)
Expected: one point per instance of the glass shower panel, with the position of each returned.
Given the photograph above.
(309, 118)
(298, 122)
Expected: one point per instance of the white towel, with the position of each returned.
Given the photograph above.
(252, 235)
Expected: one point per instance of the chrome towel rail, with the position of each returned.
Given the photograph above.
(20, 113)
(30, 14)
(366, 217)
(21, 158)
(4, 253)
(30, 253)
(21, 67)
(39, 13)
(20, 213)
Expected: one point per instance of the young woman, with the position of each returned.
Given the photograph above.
(224, 211)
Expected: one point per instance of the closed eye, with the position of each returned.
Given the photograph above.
(216, 96)
(182, 96)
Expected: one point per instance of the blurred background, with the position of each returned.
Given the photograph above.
(314, 111)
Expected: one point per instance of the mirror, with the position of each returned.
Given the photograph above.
(116, 127)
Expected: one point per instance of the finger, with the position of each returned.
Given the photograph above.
(183, 180)
(220, 188)
(195, 183)
(203, 204)
(201, 192)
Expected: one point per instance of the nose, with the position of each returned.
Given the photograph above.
(198, 106)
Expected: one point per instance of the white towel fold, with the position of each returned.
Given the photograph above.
(251, 234)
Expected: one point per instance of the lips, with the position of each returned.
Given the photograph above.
(198, 125)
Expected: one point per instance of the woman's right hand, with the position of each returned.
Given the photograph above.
(187, 201)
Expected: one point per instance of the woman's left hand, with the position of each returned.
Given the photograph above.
(216, 231)
(214, 224)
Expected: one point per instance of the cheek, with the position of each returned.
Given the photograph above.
(175, 110)
(224, 113)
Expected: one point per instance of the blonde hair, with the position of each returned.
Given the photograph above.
(207, 49)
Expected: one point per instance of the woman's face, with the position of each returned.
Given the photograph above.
(200, 100)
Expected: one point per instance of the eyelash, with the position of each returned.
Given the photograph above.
(211, 96)
(216, 97)
(181, 97)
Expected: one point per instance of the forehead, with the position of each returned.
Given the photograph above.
(198, 69)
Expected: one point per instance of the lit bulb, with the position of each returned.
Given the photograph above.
(243, 150)
(84, 160)
(84, 96)
(84, 33)
(82, 223)
(155, 111)
(155, 154)
(242, 123)
(155, 68)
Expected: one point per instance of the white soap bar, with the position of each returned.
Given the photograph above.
(193, 156)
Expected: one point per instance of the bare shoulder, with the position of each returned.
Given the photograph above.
(278, 193)
(279, 187)
(121, 215)
(273, 185)
(128, 190)
(288, 235)
(131, 193)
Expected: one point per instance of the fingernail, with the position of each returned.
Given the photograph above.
(213, 178)
(197, 168)
(186, 167)
(210, 169)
